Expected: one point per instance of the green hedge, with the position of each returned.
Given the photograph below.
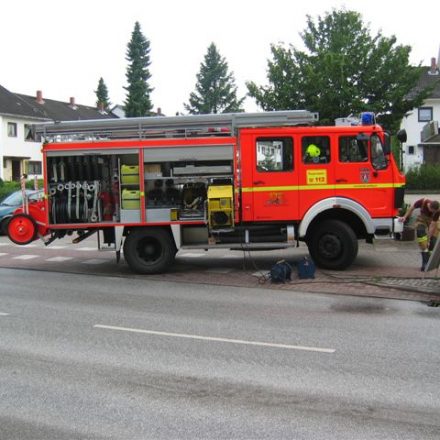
(427, 177)
(7, 188)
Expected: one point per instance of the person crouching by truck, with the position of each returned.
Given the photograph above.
(426, 226)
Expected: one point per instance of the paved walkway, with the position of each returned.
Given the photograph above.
(387, 269)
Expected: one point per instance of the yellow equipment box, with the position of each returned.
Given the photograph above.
(220, 206)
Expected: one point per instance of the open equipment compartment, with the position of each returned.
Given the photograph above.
(177, 180)
(85, 187)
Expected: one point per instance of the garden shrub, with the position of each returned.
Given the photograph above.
(426, 178)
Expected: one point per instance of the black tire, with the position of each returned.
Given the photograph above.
(333, 245)
(149, 251)
(4, 226)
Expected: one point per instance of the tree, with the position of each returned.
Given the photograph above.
(215, 90)
(344, 71)
(138, 101)
(102, 95)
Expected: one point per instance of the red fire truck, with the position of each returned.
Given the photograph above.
(153, 186)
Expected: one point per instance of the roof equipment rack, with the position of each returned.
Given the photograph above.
(224, 124)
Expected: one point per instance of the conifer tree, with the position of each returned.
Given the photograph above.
(138, 102)
(215, 90)
(102, 95)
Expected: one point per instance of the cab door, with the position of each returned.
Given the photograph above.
(363, 173)
(317, 171)
(270, 182)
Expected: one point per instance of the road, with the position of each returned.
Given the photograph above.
(86, 356)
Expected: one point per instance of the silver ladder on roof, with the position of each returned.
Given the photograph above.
(174, 126)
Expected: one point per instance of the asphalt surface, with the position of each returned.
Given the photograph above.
(85, 356)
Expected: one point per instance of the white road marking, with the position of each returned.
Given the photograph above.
(56, 247)
(88, 249)
(26, 257)
(2, 254)
(5, 244)
(4, 314)
(208, 338)
(59, 259)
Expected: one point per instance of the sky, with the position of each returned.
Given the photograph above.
(63, 47)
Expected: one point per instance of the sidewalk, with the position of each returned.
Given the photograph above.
(387, 269)
(411, 197)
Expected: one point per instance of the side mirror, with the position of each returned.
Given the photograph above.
(387, 143)
(402, 136)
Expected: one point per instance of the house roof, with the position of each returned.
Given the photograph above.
(12, 104)
(27, 106)
(64, 111)
(427, 79)
(434, 140)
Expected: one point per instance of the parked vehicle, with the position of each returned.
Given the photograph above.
(13, 201)
(256, 181)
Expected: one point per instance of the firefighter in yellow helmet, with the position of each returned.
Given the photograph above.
(312, 153)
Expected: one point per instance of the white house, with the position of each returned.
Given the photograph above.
(20, 152)
(421, 124)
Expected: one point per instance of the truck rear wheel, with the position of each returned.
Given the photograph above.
(333, 245)
(149, 251)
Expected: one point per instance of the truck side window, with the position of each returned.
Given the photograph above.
(378, 159)
(316, 149)
(274, 154)
(352, 149)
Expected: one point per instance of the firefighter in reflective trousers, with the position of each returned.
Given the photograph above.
(426, 226)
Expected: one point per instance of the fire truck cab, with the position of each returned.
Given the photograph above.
(152, 186)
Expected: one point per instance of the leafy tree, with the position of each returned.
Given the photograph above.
(138, 101)
(344, 70)
(215, 90)
(102, 95)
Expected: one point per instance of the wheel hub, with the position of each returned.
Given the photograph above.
(330, 246)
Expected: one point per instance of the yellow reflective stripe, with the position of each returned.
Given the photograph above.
(315, 187)
(271, 188)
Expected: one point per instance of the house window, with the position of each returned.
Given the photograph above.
(425, 114)
(34, 167)
(29, 134)
(12, 129)
(411, 149)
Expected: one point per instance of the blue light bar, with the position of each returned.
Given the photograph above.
(368, 118)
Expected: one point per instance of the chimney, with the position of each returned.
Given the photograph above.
(39, 97)
(101, 108)
(72, 103)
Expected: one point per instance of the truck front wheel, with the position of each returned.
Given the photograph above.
(149, 251)
(333, 245)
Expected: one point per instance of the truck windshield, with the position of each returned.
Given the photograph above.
(378, 159)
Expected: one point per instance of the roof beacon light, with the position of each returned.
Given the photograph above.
(368, 118)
